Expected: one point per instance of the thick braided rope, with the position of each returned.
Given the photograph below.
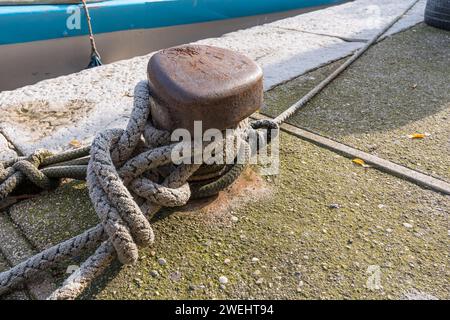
(124, 225)
(23, 168)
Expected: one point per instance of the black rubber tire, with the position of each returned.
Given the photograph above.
(437, 14)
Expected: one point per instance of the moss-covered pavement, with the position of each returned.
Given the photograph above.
(315, 231)
(324, 228)
(400, 87)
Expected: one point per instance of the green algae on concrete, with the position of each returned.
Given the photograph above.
(3, 263)
(284, 95)
(55, 216)
(398, 88)
(324, 228)
(303, 249)
(18, 295)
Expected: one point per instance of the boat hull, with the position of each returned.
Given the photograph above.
(28, 62)
(24, 23)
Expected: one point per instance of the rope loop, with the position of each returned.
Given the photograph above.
(26, 168)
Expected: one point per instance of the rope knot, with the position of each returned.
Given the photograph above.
(131, 174)
(15, 171)
(30, 168)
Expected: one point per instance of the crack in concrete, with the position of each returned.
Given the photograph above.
(10, 141)
(15, 247)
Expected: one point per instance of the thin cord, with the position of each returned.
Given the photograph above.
(91, 33)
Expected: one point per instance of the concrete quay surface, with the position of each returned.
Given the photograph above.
(324, 228)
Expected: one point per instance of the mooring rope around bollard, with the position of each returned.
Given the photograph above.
(125, 185)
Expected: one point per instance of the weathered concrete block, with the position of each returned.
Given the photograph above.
(356, 20)
(284, 54)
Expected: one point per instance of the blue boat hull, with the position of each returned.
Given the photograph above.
(25, 23)
(36, 42)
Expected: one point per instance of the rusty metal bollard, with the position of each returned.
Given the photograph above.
(202, 83)
(219, 87)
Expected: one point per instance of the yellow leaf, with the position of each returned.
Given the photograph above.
(75, 143)
(417, 136)
(359, 162)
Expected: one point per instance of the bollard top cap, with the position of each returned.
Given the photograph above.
(198, 73)
(203, 83)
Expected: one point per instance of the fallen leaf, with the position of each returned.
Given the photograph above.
(417, 136)
(75, 143)
(361, 163)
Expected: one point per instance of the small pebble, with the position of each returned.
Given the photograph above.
(234, 219)
(154, 273)
(260, 281)
(408, 225)
(175, 276)
(256, 273)
(223, 280)
(389, 230)
(162, 261)
(227, 261)
(334, 206)
(192, 287)
(255, 260)
(138, 282)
